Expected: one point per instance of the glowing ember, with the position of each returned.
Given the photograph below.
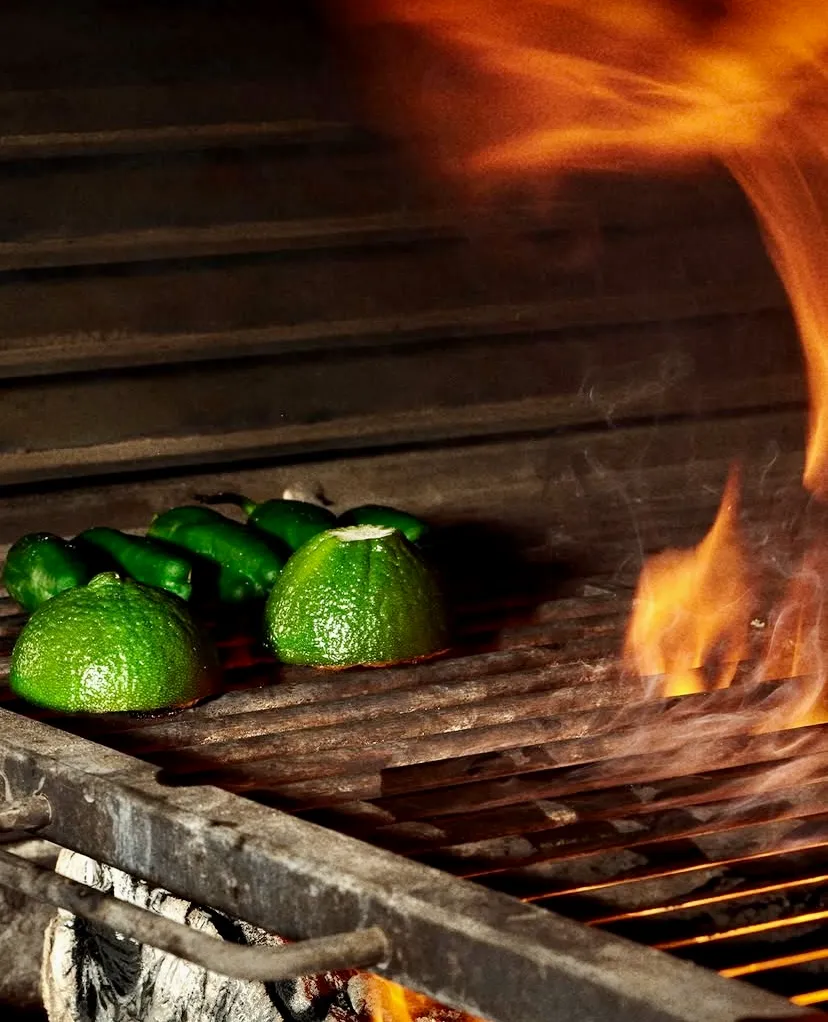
(692, 609)
(389, 1002)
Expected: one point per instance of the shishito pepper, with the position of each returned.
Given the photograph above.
(292, 522)
(414, 529)
(41, 565)
(146, 560)
(247, 565)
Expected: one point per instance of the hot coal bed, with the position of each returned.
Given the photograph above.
(213, 278)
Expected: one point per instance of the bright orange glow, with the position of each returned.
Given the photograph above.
(717, 899)
(692, 609)
(814, 997)
(524, 86)
(777, 963)
(535, 89)
(390, 1002)
(743, 931)
(680, 871)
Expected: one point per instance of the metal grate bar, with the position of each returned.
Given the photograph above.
(529, 762)
(322, 883)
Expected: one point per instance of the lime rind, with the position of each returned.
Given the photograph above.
(113, 645)
(414, 529)
(359, 595)
(357, 533)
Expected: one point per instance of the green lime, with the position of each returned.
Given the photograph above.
(112, 645)
(414, 529)
(356, 595)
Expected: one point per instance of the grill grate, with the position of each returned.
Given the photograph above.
(527, 762)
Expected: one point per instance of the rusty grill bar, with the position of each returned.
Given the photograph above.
(526, 763)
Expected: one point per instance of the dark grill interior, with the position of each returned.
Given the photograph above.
(212, 277)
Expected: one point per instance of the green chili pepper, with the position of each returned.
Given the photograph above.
(41, 565)
(292, 522)
(414, 529)
(146, 560)
(247, 565)
(234, 588)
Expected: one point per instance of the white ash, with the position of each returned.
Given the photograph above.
(94, 975)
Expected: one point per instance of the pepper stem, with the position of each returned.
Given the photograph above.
(239, 500)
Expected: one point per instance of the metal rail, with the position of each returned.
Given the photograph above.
(359, 949)
(470, 948)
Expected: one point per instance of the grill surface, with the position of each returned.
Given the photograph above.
(527, 762)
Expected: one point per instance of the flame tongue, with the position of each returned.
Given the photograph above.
(785, 185)
(691, 619)
(557, 85)
(570, 83)
(692, 609)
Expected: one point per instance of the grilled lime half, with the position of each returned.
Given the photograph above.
(360, 594)
(113, 645)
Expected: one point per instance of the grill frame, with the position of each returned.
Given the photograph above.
(449, 938)
(578, 765)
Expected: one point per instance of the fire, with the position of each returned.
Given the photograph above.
(573, 83)
(692, 609)
(522, 86)
(392, 1002)
(389, 1002)
(690, 625)
(785, 187)
(512, 88)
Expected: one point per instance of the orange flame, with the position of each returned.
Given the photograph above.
(390, 1002)
(573, 83)
(692, 608)
(691, 619)
(788, 193)
(516, 86)
(508, 87)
